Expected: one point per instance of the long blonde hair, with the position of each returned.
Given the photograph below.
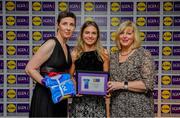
(122, 27)
(80, 43)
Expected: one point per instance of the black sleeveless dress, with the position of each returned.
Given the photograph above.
(41, 104)
(88, 105)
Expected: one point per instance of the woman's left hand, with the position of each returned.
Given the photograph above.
(112, 86)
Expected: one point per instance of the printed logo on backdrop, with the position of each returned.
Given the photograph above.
(36, 6)
(154, 50)
(141, 21)
(23, 108)
(175, 109)
(113, 36)
(11, 108)
(37, 36)
(1, 79)
(166, 50)
(166, 65)
(10, 5)
(22, 37)
(167, 36)
(153, 7)
(155, 94)
(11, 36)
(176, 80)
(18, 51)
(11, 50)
(141, 6)
(22, 6)
(11, 79)
(11, 66)
(166, 80)
(88, 6)
(23, 94)
(176, 21)
(114, 49)
(1, 22)
(177, 6)
(1, 66)
(115, 21)
(165, 108)
(10, 20)
(165, 94)
(176, 51)
(168, 21)
(48, 34)
(63, 6)
(17, 7)
(1, 51)
(126, 8)
(43, 8)
(1, 109)
(176, 36)
(75, 7)
(1, 37)
(21, 64)
(168, 6)
(11, 94)
(23, 80)
(43, 22)
(175, 95)
(115, 7)
(0, 6)
(35, 48)
(176, 67)
(1, 93)
(151, 37)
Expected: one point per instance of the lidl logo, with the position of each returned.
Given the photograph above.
(115, 6)
(63, 6)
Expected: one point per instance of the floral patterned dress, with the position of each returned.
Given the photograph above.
(138, 66)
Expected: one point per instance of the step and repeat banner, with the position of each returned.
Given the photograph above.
(24, 25)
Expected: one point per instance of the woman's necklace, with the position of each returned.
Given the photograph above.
(126, 54)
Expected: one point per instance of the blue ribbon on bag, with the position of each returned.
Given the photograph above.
(61, 86)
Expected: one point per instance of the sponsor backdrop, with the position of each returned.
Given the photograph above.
(24, 25)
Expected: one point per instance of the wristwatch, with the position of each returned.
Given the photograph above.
(125, 85)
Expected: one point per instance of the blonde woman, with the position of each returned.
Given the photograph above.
(91, 56)
(132, 75)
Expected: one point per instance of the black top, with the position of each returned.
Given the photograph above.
(57, 61)
(89, 61)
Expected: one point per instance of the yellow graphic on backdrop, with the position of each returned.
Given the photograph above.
(89, 6)
(11, 50)
(37, 35)
(11, 64)
(167, 36)
(166, 80)
(10, 6)
(115, 6)
(167, 51)
(36, 6)
(10, 20)
(11, 35)
(11, 79)
(63, 6)
(11, 107)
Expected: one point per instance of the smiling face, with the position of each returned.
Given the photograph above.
(90, 35)
(66, 27)
(126, 37)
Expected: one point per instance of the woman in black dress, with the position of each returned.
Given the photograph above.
(52, 57)
(91, 56)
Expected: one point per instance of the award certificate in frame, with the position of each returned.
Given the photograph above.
(92, 82)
